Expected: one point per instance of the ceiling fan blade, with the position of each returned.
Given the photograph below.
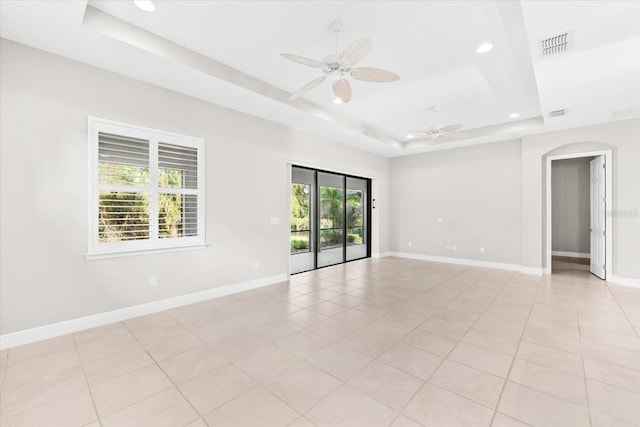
(306, 88)
(369, 74)
(427, 134)
(353, 53)
(302, 60)
(451, 128)
(342, 90)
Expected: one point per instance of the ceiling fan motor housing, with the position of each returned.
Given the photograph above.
(332, 66)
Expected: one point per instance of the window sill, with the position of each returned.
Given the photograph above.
(119, 254)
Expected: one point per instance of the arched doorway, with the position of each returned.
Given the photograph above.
(601, 192)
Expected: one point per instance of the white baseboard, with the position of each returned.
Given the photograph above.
(471, 262)
(14, 339)
(623, 281)
(381, 254)
(571, 254)
(536, 271)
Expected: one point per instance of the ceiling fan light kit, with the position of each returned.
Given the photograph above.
(341, 65)
(484, 47)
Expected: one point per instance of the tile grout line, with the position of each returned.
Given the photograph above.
(207, 345)
(561, 370)
(261, 384)
(304, 360)
(584, 369)
(513, 359)
(342, 382)
(565, 400)
(86, 379)
(31, 359)
(179, 391)
(398, 413)
(444, 358)
(615, 298)
(162, 370)
(583, 364)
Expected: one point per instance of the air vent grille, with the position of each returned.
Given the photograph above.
(557, 44)
(558, 113)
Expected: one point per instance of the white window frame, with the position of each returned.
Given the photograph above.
(97, 249)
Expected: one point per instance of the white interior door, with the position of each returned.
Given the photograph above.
(598, 212)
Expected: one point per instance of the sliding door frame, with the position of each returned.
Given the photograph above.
(316, 212)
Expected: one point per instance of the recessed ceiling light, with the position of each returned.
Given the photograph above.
(337, 101)
(514, 115)
(484, 48)
(146, 5)
(410, 136)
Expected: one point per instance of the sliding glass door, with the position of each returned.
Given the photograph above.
(357, 227)
(331, 245)
(302, 219)
(329, 219)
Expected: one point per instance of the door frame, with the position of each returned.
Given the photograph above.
(608, 160)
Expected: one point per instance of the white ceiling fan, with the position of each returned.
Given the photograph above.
(341, 65)
(432, 135)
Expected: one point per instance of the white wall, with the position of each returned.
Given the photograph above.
(489, 195)
(492, 195)
(570, 191)
(474, 190)
(44, 276)
(623, 137)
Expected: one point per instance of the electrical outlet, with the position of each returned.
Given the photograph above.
(454, 247)
(153, 281)
(409, 244)
(448, 248)
(440, 220)
(256, 264)
(481, 250)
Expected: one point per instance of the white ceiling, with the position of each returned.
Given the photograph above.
(227, 52)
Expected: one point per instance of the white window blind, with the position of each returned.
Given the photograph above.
(146, 189)
(123, 214)
(178, 198)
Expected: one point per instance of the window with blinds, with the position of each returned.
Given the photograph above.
(123, 213)
(147, 189)
(178, 183)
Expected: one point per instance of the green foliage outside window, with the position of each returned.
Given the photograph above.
(331, 217)
(124, 215)
(300, 222)
(170, 206)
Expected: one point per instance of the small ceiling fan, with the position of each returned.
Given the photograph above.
(341, 65)
(432, 135)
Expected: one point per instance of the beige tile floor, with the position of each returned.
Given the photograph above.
(376, 342)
